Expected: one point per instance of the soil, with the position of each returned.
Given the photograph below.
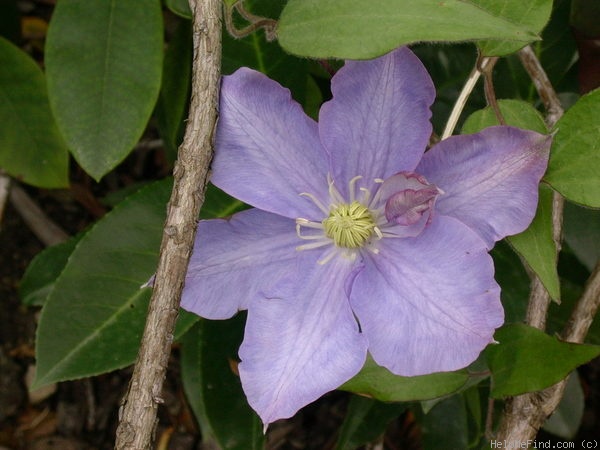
(83, 414)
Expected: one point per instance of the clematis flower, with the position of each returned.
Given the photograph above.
(359, 241)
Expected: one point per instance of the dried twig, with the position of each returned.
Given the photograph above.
(525, 414)
(488, 87)
(461, 101)
(554, 109)
(138, 412)
(255, 22)
(44, 228)
(4, 188)
(539, 299)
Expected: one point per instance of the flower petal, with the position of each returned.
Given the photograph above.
(428, 304)
(490, 179)
(302, 341)
(267, 150)
(377, 123)
(234, 261)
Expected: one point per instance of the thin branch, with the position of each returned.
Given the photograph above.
(525, 414)
(4, 189)
(138, 412)
(488, 87)
(255, 22)
(539, 299)
(531, 63)
(585, 310)
(461, 101)
(44, 228)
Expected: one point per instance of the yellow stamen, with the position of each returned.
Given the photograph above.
(350, 225)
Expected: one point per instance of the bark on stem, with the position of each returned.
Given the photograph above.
(525, 414)
(138, 412)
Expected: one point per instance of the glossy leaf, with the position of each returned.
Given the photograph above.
(575, 154)
(515, 112)
(445, 426)
(527, 359)
(573, 277)
(514, 281)
(104, 63)
(180, 7)
(356, 29)
(93, 319)
(566, 419)
(366, 419)
(214, 391)
(267, 57)
(582, 233)
(218, 204)
(531, 15)
(171, 109)
(537, 246)
(41, 274)
(379, 383)
(31, 147)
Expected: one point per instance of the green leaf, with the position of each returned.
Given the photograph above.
(104, 64)
(527, 359)
(267, 57)
(378, 382)
(171, 109)
(218, 204)
(41, 274)
(31, 147)
(582, 233)
(208, 358)
(180, 7)
(93, 319)
(366, 419)
(513, 280)
(356, 29)
(515, 112)
(535, 244)
(537, 247)
(445, 426)
(575, 154)
(566, 419)
(573, 277)
(532, 15)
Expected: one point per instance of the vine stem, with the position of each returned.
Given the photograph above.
(525, 414)
(137, 415)
(466, 91)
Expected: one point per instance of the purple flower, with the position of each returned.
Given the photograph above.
(359, 240)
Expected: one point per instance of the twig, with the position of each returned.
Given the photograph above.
(531, 63)
(4, 188)
(461, 101)
(255, 22)
(539, 299)
(488, 87)
(583, 314)
(525, 414)
(138, 412)
(44, 228)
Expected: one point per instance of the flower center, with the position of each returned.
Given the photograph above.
(349, 225)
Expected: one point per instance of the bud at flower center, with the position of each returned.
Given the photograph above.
(350, 225)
